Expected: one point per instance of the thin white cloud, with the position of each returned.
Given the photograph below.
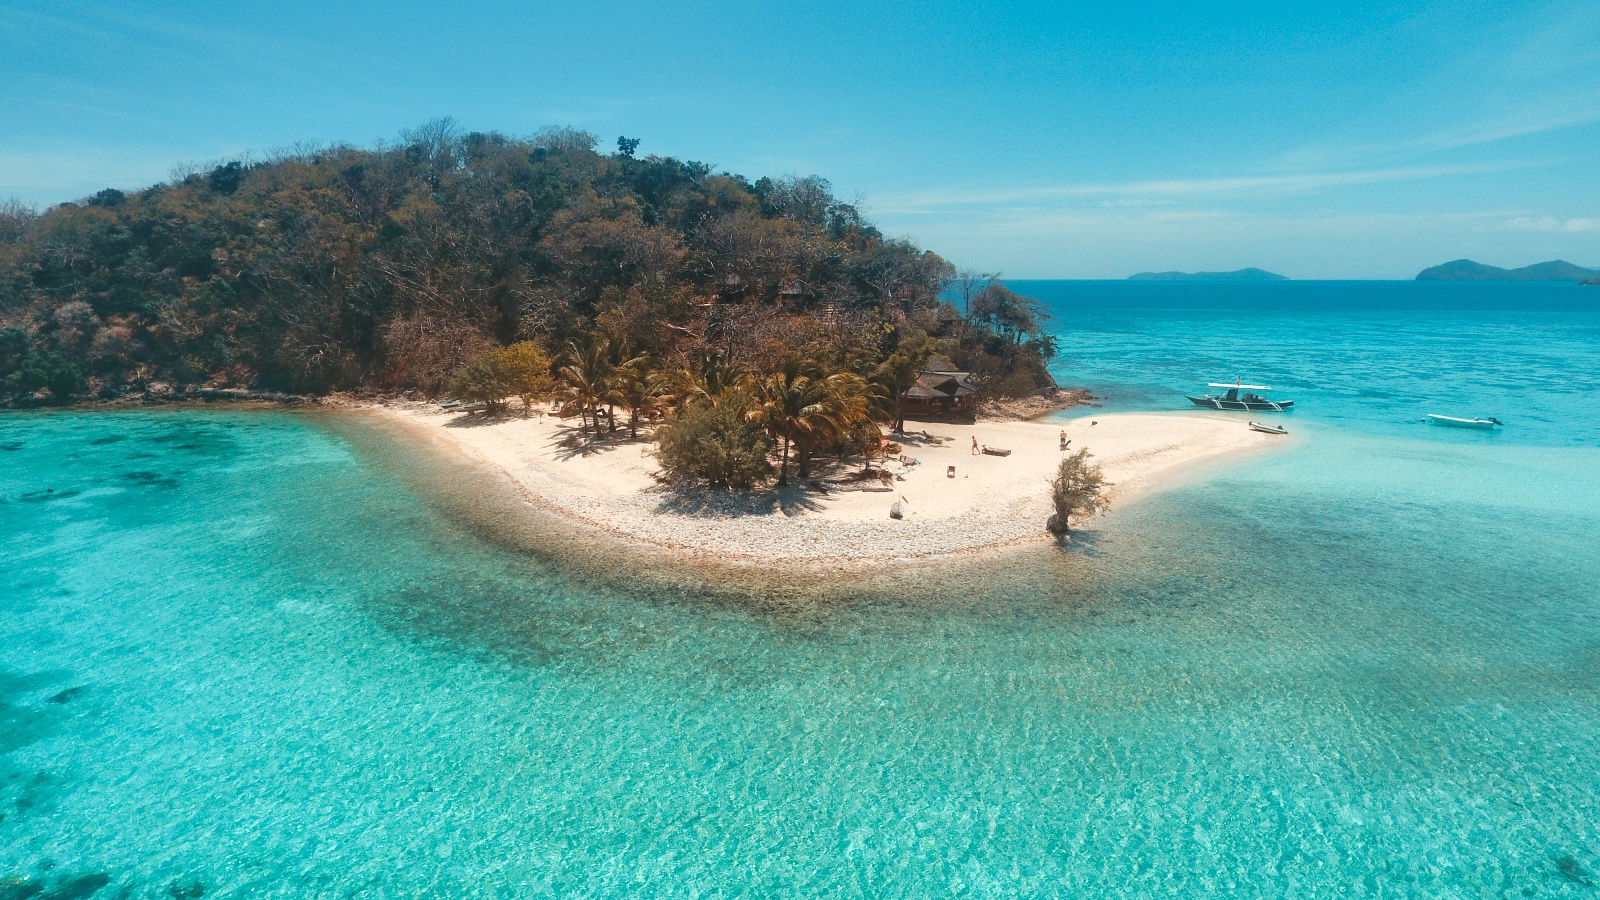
(1137, 193)
(1571, 113)
(1553, 224)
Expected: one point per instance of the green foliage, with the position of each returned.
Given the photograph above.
(225, 179)
(585, 378)
(50, 370)
(483, 380)
(1077, 490)
(339, 267)
(896, 375)
(1009, 385)
(707, 378)
(716, 444)
(525, 370)
(803, 405)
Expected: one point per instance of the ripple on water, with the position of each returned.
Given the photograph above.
(306, 679)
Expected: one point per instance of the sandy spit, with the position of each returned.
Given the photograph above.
(992, 502)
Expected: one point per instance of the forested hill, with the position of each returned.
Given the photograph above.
(387, 268)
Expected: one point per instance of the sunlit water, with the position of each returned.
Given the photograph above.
(242, 652)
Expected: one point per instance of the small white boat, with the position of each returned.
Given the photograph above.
(1488, 424)
(1267, 429)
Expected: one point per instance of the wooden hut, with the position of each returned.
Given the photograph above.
(942, 392)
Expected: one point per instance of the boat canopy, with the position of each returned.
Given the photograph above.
(1242, 387)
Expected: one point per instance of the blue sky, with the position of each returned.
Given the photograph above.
(1320, 140)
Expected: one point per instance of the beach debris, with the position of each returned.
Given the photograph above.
(898, 510)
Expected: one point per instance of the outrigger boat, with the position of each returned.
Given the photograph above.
(1488, 424)
(1241, 396)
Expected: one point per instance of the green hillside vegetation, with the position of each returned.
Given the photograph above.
(1467, 270)
(395, 267)
(1249, 274)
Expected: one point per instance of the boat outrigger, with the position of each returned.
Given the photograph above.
(1488, 424)
(1241, 396)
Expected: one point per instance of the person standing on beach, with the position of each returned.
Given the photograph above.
(974, 445)
(1064, 441)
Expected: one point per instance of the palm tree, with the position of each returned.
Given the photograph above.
(801, 405)
(893, 377)
(584, 379)
(640, 391)
(706, 377)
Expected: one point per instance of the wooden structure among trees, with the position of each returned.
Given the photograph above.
(942, 392)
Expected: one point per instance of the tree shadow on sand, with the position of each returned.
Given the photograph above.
(704, 502)
(572, 442)
(480, 420)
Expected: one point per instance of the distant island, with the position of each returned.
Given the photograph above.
(1250, 274)
(1467, 270)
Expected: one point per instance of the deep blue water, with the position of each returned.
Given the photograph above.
(242, 650)
(1374, 356)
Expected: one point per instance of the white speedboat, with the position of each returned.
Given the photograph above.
(1488, 424)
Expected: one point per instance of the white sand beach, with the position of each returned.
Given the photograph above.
(991, 502)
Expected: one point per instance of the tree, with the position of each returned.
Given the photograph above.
(584, 378)
(1077, 490)
(898, 374)
(717, 443)
(226, 179)
(800, 404)
(706, 378)
(642, 392)
(867, 440)
(1014, 316)
(967, 283)
(526, 370)
(483, 380)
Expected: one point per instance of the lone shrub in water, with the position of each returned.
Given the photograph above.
(715, 444)
(1078, 490)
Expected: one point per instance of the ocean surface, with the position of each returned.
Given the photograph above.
(275, 654)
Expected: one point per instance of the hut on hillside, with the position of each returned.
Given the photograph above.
(942, 392)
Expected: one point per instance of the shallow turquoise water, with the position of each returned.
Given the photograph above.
(237, 651)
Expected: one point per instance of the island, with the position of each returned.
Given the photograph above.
(1468, 270)
(1249, 274)
(687, 359)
